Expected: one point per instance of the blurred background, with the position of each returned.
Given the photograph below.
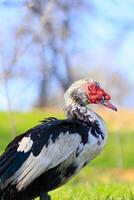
(45, 45)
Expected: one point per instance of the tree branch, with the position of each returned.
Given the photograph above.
(9, 107)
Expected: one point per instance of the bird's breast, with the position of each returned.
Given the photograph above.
(90, 150)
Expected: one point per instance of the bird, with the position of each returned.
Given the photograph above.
(48, 155)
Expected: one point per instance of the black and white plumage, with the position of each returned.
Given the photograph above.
(48, 155)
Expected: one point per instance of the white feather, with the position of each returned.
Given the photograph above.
(49, 157)
(25, 144)
(92, 148)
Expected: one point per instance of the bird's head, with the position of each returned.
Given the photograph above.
(86, 92)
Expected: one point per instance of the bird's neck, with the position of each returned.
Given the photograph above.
(87, 116)
(79, 112)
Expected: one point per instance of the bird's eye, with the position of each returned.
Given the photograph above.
(90, 87)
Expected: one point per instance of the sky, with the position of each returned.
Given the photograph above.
(100, 28)
(103, 33)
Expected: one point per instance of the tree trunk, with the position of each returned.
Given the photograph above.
(42, 99)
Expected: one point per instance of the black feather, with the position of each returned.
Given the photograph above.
(12, 160)
(50, 128)
(49, 119)
(55, 127)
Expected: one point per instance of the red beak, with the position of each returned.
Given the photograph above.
(108, 105)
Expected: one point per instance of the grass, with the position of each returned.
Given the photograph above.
(95, 191)
(110, 176)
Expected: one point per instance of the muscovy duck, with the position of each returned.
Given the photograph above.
(49, 154)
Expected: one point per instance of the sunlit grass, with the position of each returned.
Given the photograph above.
(95, 191)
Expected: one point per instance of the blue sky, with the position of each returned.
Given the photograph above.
(96, 37)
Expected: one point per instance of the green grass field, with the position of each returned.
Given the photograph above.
(109, 177)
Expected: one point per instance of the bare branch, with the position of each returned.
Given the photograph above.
(11, 116)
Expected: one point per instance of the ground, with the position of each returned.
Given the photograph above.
(110, 176)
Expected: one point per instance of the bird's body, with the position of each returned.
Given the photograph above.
(48, 155)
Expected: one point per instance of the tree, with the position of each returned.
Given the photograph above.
(52, 39)
(45, 45)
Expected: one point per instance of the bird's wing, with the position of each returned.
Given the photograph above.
(40, 149)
